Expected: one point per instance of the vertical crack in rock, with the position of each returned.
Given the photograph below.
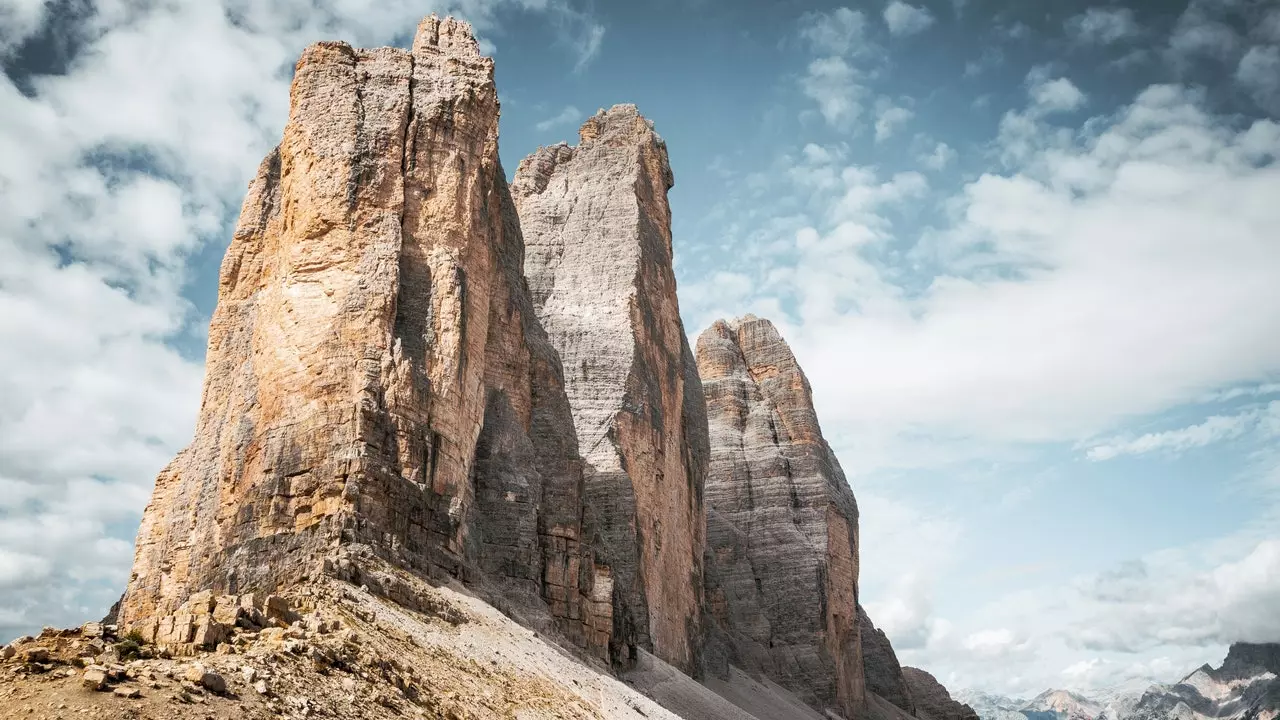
(782, 522)
(597, 228)
(377, 379)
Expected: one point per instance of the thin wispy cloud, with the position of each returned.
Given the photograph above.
(568, 116)
(904, 19)
(1173, 442)
(1102, 26)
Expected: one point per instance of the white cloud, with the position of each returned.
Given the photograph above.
(889, 118)
(1259, 73)
(1200, 33)
(568, 116)
(1064, 293)
(904, 19)
(995, 644)
(1102, 26)
(941, 156)
(18, 20)
(1176, 605)
(835, 86)
(1215, 429)
(839, 32)
(831, 79)
(1056, 95)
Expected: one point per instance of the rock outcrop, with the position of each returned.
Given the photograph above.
(932, 700)
(880, 666)
(376, 375)
(782, 523)
(597, 229)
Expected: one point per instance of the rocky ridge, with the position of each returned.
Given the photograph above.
(1245, 687)
(459, 425)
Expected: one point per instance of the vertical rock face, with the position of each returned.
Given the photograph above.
(376, 373)
(880, 665)
(597, 229)
(782, 522)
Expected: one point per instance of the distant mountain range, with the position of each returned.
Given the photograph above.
(1245, 687)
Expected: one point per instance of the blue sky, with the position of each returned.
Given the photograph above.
(1027, 252)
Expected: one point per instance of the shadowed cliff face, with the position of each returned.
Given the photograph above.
(597, 227)
(376, 374)
(782, 523)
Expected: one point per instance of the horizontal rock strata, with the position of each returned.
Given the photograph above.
(597, 229)
(375, 372)
(782, 522)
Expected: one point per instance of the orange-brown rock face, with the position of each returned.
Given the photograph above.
(782, 524)
(597, 227)
(376, 373)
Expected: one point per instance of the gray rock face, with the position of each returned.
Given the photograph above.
(782, 523)
(597, 230)
(1246, 687)
(932, 700)
(376, 374)
(880, 666)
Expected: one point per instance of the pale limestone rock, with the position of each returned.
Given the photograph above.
(782, 522)
(376, 375)
(597, 228)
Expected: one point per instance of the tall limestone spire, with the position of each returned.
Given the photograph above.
(376, 376)
(782, 523)
(597, 228)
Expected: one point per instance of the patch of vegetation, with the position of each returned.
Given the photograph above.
(130, 646)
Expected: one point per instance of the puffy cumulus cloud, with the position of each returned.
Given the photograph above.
(939, 158)
(913, 548)
(843, 60)
(889, 117)
(1176, 604)
(837, 87)
(112, 177)
(1259, 73)
(1062, 292)
(19, 19)
(1024, 132)
(1056, 95)
(839, 32)
(1102, 26)
(1149, 620)
(904, 19)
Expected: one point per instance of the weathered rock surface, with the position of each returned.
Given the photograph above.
(782, 523)
(376, 374)
(881, 669)
(932, 700)
(350, 654)
(1246, 687)
(597, 229)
